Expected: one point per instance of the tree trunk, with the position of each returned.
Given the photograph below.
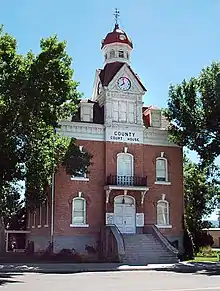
(2, 236)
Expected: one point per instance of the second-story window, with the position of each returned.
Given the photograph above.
(161, 170)
(80, 175)
(125, 169)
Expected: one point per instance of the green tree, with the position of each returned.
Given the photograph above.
(200, 194)
(193, 110)
(36, 92)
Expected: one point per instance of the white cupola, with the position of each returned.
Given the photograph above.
(116, 46)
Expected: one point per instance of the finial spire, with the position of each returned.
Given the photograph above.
(116, 14)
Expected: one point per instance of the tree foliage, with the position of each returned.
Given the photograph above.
(36, 92)
(193, 110)
(201, 192)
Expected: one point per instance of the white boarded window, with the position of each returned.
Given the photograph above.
(131, 113)
(122, 111)
(163, 213)
(79, 211)
(161, 170)
(115, 111)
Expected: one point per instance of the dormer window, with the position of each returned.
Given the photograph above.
(127, 55)
(112, 54)
(121, 54)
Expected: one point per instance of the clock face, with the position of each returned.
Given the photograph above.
(124, 83)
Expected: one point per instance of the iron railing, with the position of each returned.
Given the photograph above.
(126, 180)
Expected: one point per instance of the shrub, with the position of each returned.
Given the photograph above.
(69, 255)
(202, 239)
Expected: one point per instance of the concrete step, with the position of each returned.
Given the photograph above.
(146, 249)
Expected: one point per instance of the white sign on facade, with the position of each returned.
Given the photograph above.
(109, 218)
(124, 135)
(139, 219)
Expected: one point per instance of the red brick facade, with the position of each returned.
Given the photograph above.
(104, 164)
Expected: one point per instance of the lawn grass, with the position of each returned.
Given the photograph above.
(205, 259)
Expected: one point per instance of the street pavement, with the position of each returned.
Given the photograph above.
(112, 281)
(104, 267)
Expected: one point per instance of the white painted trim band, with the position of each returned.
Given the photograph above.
(162, 183)
(164, 226)
(79, 179)
(79, 225)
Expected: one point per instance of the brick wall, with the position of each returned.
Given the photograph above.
(93, 192)
(105, 163)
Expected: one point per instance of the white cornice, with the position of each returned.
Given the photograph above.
(82, 130)
(97, 132)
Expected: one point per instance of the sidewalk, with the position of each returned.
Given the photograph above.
(76, 268)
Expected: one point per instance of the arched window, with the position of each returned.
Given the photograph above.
(163, 213)
(125, 169)
(106, 56)
(121, 54)
(79, 211)
(112, 54)
(161, 170)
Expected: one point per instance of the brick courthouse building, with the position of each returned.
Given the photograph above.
(132, 199)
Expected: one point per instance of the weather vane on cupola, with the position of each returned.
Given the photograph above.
(116, 14)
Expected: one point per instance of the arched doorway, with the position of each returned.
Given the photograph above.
(125, 213)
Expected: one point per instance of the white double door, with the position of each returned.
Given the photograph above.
(124, 217)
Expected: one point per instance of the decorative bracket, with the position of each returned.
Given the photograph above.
(107, 193)
(143, 195)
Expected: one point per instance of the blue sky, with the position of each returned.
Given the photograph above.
(172, 39)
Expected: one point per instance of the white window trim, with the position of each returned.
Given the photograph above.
(75, 178)
(162, 183)
(47, 214)
(168, 215)
(85, 213)
(40, 217)
(164, 226)
(166, 182)
(79, 225)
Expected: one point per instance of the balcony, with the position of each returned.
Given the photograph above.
(126, 181)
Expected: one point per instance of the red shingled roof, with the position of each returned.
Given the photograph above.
(117, 35)
(110, 70)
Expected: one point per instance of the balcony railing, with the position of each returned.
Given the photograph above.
(126, 180)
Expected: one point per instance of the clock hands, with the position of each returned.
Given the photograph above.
(124, 83)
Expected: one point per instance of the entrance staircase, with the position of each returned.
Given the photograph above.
(142, 249)
(151, 247)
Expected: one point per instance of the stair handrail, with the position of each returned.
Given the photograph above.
(119, 238)
(164, 239)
